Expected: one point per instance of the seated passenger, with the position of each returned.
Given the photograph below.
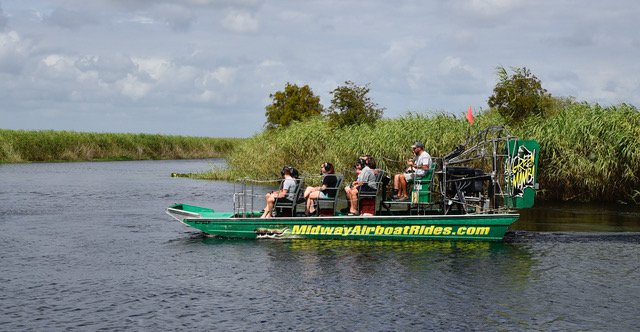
(422, 163)
(287, 192)
(366, 183)
(372, 164)
(328, 181)
(347, 188)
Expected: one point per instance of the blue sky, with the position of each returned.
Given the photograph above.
(207, 67)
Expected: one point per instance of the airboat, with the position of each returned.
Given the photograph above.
(473, 193)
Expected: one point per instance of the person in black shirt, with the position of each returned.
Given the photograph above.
(327, 188)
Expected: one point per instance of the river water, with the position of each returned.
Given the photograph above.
(87, 246)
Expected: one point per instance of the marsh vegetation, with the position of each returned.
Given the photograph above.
(49, 145)
(587, 152)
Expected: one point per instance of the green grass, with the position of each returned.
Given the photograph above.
(588, 152)
(48, 145)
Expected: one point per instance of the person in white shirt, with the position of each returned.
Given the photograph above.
(421, 165)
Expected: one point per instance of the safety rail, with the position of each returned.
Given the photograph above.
(244, 194)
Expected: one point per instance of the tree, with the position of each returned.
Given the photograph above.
(351, 105)
(519, 96)
(292, 104)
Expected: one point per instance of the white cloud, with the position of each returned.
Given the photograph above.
(270, 63)
(4, 20)
(156, 68)
(179, 18)
(69, 19)
(402, 52)
(453, 67)
(133, 87)
(59, 67)
(241, 22)
(486, 9)
(14, 52)
(224, 75)
(109, 69)
(140, 19)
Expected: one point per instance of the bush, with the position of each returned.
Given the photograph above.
(292, 104)
(520, 96)
(352, 106)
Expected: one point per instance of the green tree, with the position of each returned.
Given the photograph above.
(292, 104)
(520, 95)
(351, 105)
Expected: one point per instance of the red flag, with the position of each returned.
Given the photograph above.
(470, 115)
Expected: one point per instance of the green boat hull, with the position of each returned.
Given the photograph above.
(469, 227)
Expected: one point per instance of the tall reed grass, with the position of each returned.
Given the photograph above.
(305, 145)
(34, 146)
(588, 152)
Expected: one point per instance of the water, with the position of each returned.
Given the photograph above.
(87, 246)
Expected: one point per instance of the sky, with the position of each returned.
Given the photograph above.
(207, 67)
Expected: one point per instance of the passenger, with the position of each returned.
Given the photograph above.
(329, 181)
(422, 163)
(347, 189)
(287, 192)
(372, 164)
(366, 183)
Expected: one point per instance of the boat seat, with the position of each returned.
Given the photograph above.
(287, 208)
(420, 194)
(420, 190)
(327, 206)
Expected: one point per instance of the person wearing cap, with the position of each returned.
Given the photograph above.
(421, 165)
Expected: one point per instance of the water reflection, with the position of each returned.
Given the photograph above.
(581, 217)
(429, 281)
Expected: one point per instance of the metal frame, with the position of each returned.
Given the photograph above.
(486, 152)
